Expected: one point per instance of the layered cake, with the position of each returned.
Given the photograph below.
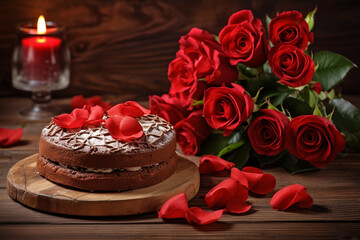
(114, 151)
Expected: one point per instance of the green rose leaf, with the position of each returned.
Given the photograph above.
(317, 111)
(240, 156)
(346, 116)
(353, 140)
(309, 96)
(267, 67)
(295, 165)
(216, 37)
(216, 142)
(310, 19)
(297, 107)
(332, 68)
(267, 160)
(268, 20)
(245, 72)
(270, 89)
(230, 148)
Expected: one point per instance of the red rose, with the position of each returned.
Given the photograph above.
(314, 139)
(244, 41)
(226, 108)
(291, 65)
(167, 107)
(75, 119)
(191, 132)
(182, 76)
(79, 101)
(266, 133)
(316, 87)
(208, 58)
(129, 108)
(124, 128)
(290, 27)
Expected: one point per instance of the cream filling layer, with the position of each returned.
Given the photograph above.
(107, 170)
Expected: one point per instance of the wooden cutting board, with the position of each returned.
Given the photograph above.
(25, 185)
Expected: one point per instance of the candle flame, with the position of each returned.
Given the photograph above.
(41, 25)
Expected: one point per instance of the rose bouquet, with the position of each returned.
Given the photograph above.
(260, 97)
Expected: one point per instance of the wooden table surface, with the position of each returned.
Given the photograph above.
(334, 215)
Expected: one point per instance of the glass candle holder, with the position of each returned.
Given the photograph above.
(40, 65)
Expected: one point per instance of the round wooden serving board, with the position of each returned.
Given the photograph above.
(25, 185)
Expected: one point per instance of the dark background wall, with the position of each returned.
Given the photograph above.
(124, 47)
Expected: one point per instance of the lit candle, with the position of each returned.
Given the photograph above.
(41, 55)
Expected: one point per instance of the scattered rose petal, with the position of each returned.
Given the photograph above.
(201, 217)
(175, 207)
(75, 119)
(124, 128)
(225, 191)
(291, 195)
(237, 206)
(259, 182)
(239, 176)
(9, 137)
(211, 164)
(129, 108)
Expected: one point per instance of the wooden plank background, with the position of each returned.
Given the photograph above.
(124, 47)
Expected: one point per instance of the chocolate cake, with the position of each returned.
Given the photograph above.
(91, 159)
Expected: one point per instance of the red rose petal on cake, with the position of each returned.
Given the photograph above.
(175, 207)
(237, 206)
(201, 217)
(222, 193)
(97, 101)
(77, 101)
(212, 164)
(75, 119)
(96, 115)
(9, 137)
(291, 195)
(124, 128)
(129, 108)
(239, 176)
(259, 182)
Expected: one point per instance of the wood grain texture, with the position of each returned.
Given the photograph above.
(335, 191)
(335, 214)
(25, 185)
(180, 230)
(124, 47)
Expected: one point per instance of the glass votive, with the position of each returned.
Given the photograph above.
(40, 65)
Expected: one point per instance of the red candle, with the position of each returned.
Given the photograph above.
(41, 60)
